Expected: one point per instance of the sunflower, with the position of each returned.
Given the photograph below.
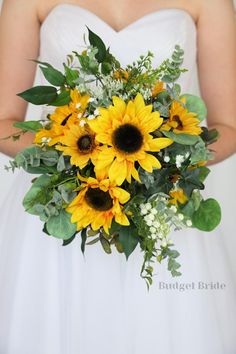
(62, 118)
(74, 110)
(158, 88)
(125, 130)
(177, 196)
(79, 143)
(51, 136)
(121, 74)
(97, 204)
(181, 120)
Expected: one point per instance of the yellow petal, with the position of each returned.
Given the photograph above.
(135, 174)
(130, 109)
(151, 122)
(105, 158)
(122, 219)
(119, 104)
(149, 162)
(118, 172)
(159, 143)
(121, 195)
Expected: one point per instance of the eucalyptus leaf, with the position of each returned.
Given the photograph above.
(203, 173)
(69, 240)
(196, 104)
(188, 209)
(183, 139)
(61, 164)
(37, 194)
(61, 226)
(50, 158)
(40, 169)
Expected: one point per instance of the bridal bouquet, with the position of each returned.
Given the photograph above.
(121, 157)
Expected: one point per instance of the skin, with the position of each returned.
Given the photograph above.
(216, 26)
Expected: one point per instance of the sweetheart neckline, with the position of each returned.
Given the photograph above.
(88, 12)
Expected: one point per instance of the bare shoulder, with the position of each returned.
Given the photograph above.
(214, 9)
(21, 8)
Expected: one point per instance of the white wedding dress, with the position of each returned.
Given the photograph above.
(55, 301)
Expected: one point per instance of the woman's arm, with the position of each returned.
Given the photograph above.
(19, 41)
(217, 71)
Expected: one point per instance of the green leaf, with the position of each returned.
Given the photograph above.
(83, 239)
(41, 62)
(161, 182)
(62, 99)
(95, 240)
(188, 209)
(39, 95)
(97, 42)
(173, 265)
(190, 180)
(67, 193)
(118, 245)
(71, 76)
(199, 152)
(67, 242)
(30, 126)
(40, 169)
(203, 173)
(208, 215)
(106, 68)
(164, 98)
(196, 198)
(196, 104)
(129, 239)
(209, 136)
(105, 244)
(183, 139)
(37, 194)
(61, 164)
(115, 227)
(61, 226)
(53, 76)
(49, 158)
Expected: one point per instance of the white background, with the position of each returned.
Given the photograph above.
(7, 178)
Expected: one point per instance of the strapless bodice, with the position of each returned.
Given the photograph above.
(63, 29)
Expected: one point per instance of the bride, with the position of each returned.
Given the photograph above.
(54, 301)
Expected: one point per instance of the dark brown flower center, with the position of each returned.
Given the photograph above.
(127, 138)
(85, 143)
(178, 120)
(98, 199)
